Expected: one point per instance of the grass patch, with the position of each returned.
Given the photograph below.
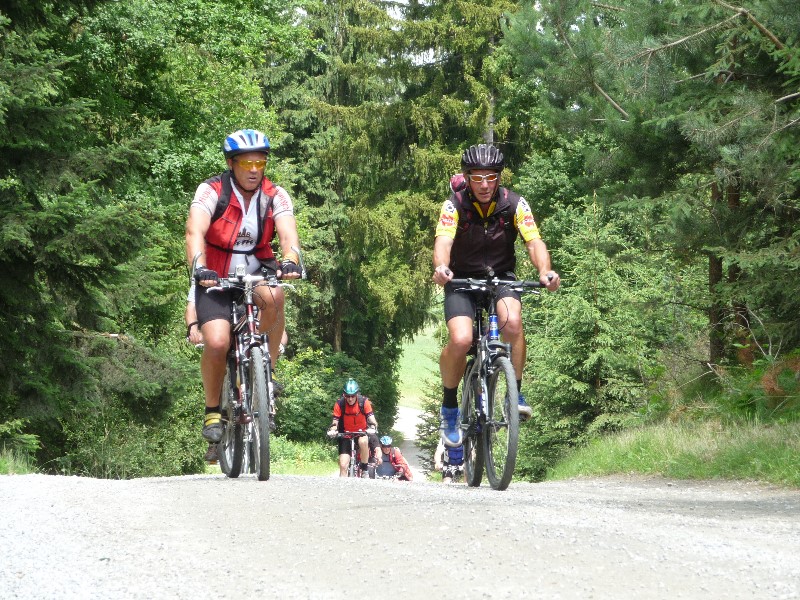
(295, 458)
(702, 450)
(418, 364)
(15, 463)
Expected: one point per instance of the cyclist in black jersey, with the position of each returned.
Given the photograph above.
(475, 238)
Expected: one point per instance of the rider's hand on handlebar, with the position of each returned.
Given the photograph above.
(442, 274)
(550, 280)
(205, 276)
(289, 270)
(332, 432)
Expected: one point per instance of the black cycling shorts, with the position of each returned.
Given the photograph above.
(463, 304)
(372, 440)
(217, 303)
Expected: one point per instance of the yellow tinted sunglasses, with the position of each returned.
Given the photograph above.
(249, 164)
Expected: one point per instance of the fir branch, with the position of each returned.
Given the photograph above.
(650, 51)
(616, 106)
(608, 7)
(596, 85)
(746, 13)
(789, 97)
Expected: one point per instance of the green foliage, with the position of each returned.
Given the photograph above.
(314, 381)
(285, 453)
(13, 439)
(107, 439)
(704, 450)
(697, 119)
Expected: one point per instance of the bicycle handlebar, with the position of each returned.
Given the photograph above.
(483, 285)
(239, 281)
(352, 434)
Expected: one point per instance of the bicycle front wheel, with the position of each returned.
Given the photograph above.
(260, 405)
(231, 446)
(501, 431)
(471, 422)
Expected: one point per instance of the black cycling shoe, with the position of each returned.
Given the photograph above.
(277, 388)
(212, 427)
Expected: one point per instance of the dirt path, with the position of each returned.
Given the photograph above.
(407, 419)
(212, 537)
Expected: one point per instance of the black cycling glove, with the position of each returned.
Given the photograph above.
(204, 273)
(289, 266)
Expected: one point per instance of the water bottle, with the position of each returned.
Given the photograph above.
(494, 332)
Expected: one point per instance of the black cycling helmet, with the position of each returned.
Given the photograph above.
(482, 156)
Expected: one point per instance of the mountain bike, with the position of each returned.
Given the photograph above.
(489, 395)
(354, 468)
(247, 399)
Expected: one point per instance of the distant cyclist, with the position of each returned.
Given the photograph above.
(353, 412)
(231, 223)
(392, 464)
(475, 237)
(450, 461)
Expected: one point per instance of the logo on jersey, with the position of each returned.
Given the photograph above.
(244, 239)
(447, 218)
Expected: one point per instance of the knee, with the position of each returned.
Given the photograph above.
(271, 299)
(513, 326)
(216, 343)
(460, 341)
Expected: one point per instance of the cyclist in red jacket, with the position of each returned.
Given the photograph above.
(393, 464)
(353, 412)
(231, 222)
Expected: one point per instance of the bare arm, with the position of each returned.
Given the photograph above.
(371, 420)
(441, 259)
(540, 257)
(196, 228)
(286, 228)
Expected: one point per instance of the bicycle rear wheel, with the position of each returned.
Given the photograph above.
(501, 431)
(473, 440)
(231, 446)
(259, 372)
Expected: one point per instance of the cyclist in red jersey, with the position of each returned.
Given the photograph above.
(475, 238)
(231, 222)
(353, 412)
(393, 463)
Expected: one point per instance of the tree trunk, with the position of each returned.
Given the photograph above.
(716, 332)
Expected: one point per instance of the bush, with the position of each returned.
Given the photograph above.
(313, 382)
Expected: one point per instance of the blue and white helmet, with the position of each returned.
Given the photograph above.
(386, 441)
(245, 140)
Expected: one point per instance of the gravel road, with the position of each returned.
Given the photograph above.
(301, 537)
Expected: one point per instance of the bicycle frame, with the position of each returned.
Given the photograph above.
(251, 395)
(353, 469)
(244, 337)
(486, 419)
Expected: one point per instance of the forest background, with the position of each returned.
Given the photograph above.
(656, 141)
